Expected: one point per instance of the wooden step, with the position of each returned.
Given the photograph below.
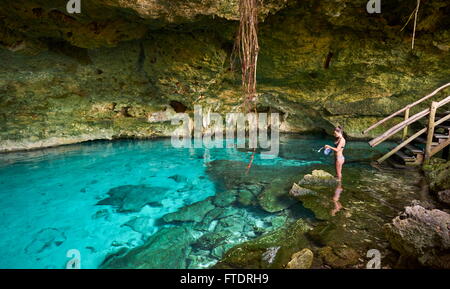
(405, 157)
(424, 141)
(438, 135)
(420, 140)
(396, 165)
(443, 126)
(442, 113)
(414, 149)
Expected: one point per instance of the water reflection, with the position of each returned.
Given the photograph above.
(337, 195)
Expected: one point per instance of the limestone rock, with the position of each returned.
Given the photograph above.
(275, 197)
(297, 191)
(276, 246)
(132, 198)
(45, 239)
(339, 257)
(166, 249)
(99, 75)
(224, 198)
(301, 260)
(141, 225)
(437, 172)
(246, 198)
(211, 240)
(192, 213)
(444, 197)
(318, 178)
(422, 234)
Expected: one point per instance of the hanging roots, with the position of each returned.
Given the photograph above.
(247, 47)
(415, 13)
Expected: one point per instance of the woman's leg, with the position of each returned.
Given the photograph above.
(339, 164)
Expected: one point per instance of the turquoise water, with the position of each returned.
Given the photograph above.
(51, 199)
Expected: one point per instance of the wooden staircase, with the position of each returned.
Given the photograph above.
(415, 148)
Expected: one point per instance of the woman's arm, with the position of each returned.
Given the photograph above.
(339, 147)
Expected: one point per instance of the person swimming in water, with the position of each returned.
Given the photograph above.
(338, 151)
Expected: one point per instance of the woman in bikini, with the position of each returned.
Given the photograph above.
(338, 151)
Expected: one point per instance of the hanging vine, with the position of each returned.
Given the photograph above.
(415, 13)
(246, 46)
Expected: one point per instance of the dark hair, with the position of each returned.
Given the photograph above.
(339, 129)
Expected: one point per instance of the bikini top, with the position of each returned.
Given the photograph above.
(336, 143)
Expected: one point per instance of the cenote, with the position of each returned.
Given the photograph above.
(145, 204)
(91, 97)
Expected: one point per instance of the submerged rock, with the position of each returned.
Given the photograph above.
(271, 250)
(423, 235)
(211, 240)
(224, 199)
(339, 257)
(275, 197)
(104, 213)
(246, 198)
(141, 225)
(131, 198)
(192, 213)
(320, 203)
(166, 249)
(301, 260)
(297, 191)
(45, 239)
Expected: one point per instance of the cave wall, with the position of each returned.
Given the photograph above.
(117, 69)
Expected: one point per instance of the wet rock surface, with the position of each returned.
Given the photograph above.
(326, 225)
(208, 229)
(350, 216)
(113, 71)
(318, 178)
(301, 260)
(422, 235)
(444, 197)
(437, 172)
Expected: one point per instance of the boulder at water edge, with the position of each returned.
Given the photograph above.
(318, 178)
(423, 235)
(301, 260)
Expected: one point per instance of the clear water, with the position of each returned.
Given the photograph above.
(48, 198)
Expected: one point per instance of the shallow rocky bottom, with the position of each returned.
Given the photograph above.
(144, 204)
(254, 222)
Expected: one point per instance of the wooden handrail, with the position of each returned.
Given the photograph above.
(400, 146)
(393, 130)
(413, 137)
(409, 106)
